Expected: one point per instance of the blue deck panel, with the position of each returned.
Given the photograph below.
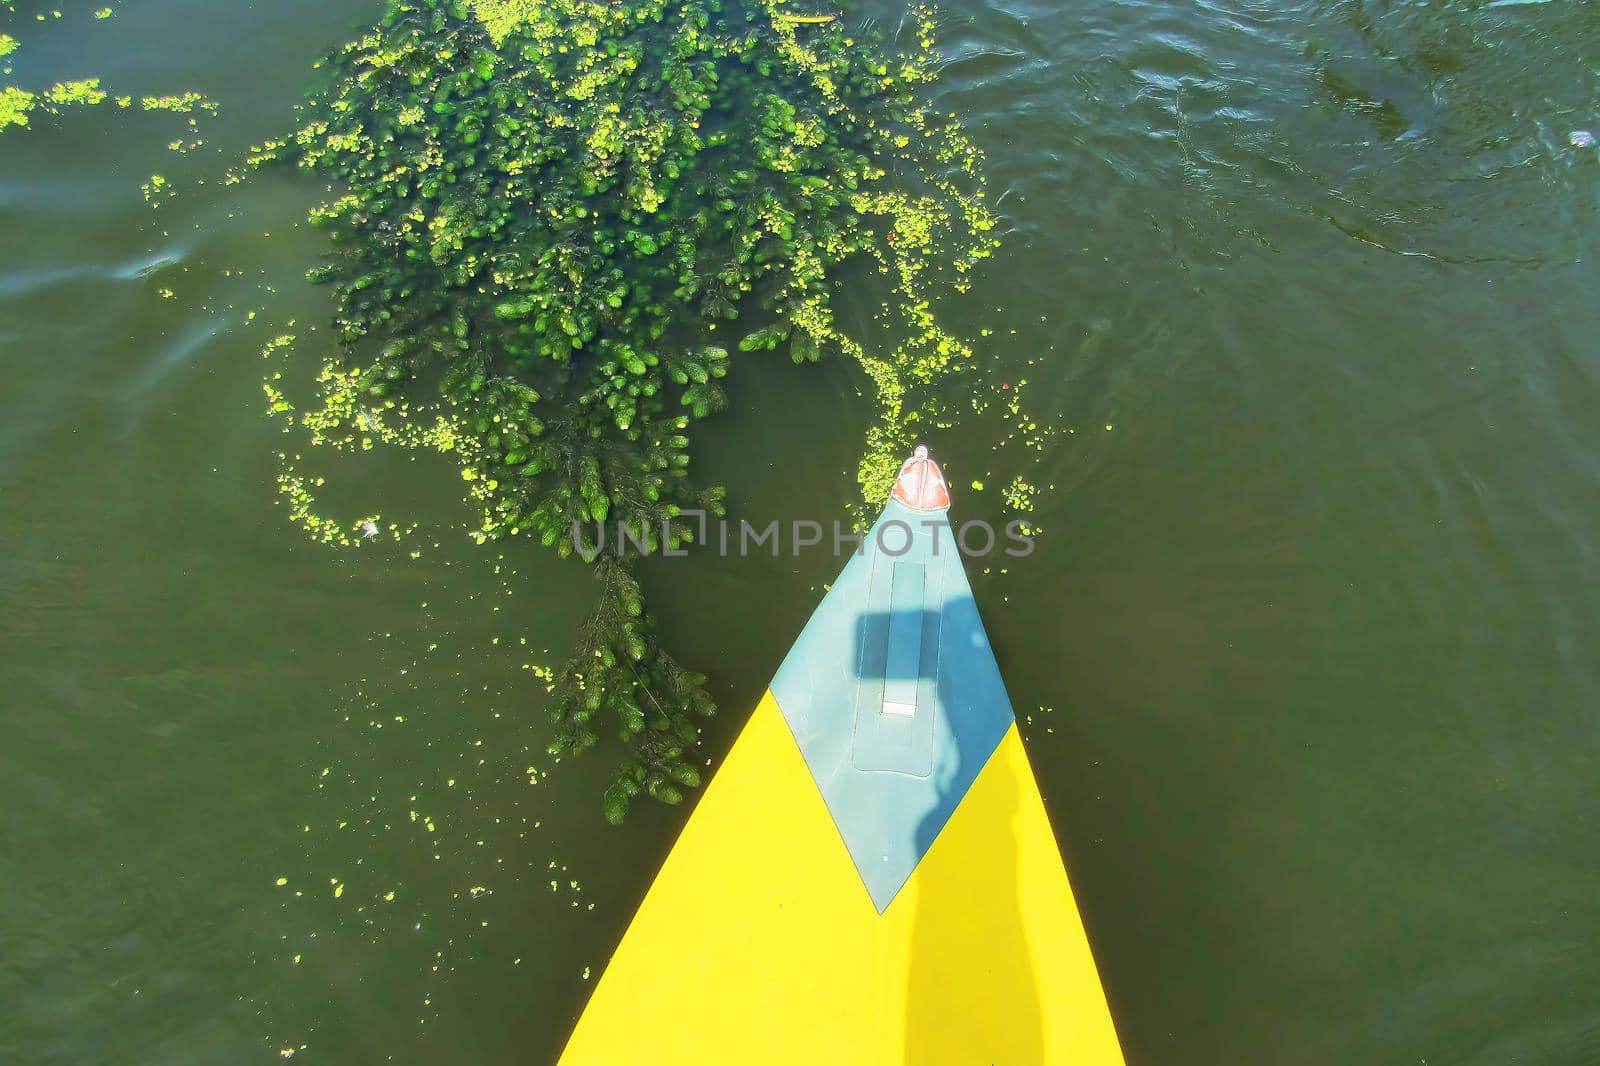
(903, 665)
(899, 626)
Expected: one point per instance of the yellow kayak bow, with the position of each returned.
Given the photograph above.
(870, 877)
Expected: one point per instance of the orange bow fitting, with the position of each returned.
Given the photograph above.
(921, 484)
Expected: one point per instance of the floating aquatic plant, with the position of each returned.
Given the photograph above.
(17, 103)
(553, 219)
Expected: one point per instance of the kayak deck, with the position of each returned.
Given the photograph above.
(757, 943)
(870, 877)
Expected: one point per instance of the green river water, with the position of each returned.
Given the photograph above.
(1308, 656)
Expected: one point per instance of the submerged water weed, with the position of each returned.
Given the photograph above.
(548, 216)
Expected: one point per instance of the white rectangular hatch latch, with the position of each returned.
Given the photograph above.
(903, 663)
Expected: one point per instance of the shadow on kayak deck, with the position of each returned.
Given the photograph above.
(971, 983)
(972, 978)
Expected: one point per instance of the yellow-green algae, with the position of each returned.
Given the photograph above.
(14, 106)
(18, 104)
(547, 216)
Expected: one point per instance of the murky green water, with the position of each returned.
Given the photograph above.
(1308, 645)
